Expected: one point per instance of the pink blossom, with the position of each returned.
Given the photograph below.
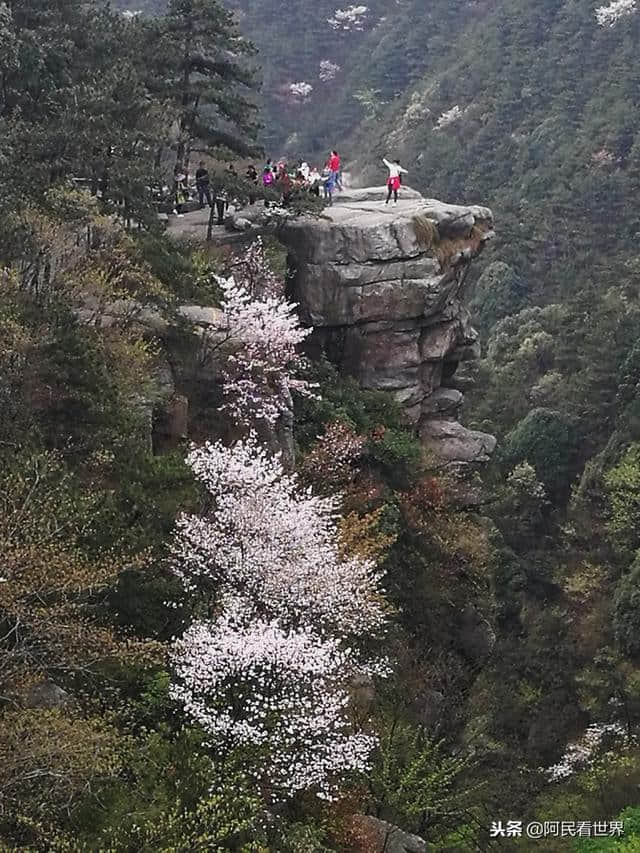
(279, 692)
(260, 374)
(275, 544)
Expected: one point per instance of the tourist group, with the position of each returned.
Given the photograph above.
(277, 184)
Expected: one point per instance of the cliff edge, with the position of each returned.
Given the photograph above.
(381, 285)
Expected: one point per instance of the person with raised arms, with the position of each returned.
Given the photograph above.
(394, 181)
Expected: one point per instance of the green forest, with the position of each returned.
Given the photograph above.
(206, 647)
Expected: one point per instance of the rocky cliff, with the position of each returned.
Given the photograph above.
(382, 287)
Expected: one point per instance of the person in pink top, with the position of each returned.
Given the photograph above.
(268, 180)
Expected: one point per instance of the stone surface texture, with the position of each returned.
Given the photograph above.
(386, 302)
(378, 836)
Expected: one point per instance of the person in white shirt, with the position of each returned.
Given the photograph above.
(394, 181)
(314, 181)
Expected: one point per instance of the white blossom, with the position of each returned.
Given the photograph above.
(269, 673)
(273, 543)
(349, 19)
(279, 692)
(276, 212)
(328, 70)
(449, 117)
(581, 753)
(608, 16)
(253, 272)
(604, 158)
(301, 90)
(260, 374)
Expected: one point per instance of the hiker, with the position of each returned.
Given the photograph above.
(304, 169)
(333, 165)
(268, 180)
(394, 181)
(202, 185)
(231, 172)
(252, 176)
(221, 202)
(283, 182)
(329, 184)
(315, 179)
(180, 190)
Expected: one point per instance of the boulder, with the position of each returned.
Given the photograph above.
(201, 315)
(443, 401)
(476, 637)
(378, 836)
(456, 220)
(362, 194)
(381, 287)
(47, 695)
(429, 707)
(449, 441)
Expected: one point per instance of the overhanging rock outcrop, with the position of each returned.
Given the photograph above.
(381, 286)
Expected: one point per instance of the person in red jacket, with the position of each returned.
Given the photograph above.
(333, 164)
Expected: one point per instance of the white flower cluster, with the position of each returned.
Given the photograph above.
(603, 158)
(301, 90)
(524, 479)
(272, 690)
(581, 753)
(253, 272)
(349, 19)
(269, 673)
(259, 375)
(608, 16)
(449, 117)
(274, 543)
(276, 212)
(328, 70)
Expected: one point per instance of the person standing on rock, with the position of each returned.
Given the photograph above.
(334, 167)
(202, 185)
(394, 181)
(329, 184)
(315, 179)
(268, 180)
(180, 190)
(283, 183)
(221, 200)
(252, 177)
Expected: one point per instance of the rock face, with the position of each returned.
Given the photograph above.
(381, 285)
(378, 836)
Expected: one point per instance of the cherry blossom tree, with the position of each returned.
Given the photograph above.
(277, 694)
(274, 544)
(582, 753)
(300, 91)
(328, 70)
(267, 671)
(261, 371)
(349, 19)
(449, 117)
(608, 16)
(253, 271)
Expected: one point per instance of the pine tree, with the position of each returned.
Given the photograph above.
(200, 57)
